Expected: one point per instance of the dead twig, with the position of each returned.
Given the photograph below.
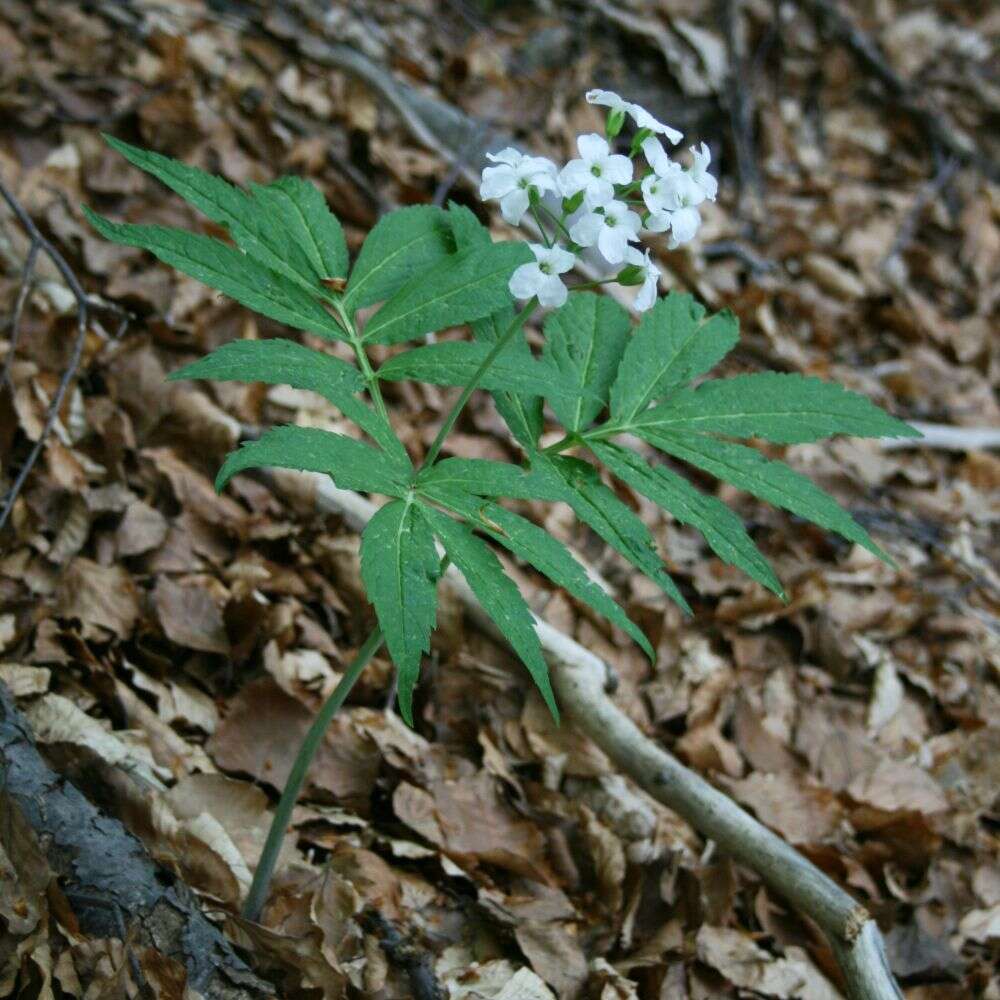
(40, 244)
(580, 679)
(927, 193)
(740, 103)
(933, 122)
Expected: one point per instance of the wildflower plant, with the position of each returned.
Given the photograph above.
(603, 380)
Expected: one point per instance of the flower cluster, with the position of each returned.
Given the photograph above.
(603, 204)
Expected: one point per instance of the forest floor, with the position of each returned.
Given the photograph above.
(169, 646)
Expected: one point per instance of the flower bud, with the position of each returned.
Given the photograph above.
(638, 139)
(631, 274)
(570, 205)
(616, 119)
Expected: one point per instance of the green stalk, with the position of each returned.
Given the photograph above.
(374, 389)
(449, 422)
(314, 738)
(289, 795)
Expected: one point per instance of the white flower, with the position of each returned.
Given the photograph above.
(672, 195)
(646, 298)
(699, 172)
(642, 118)
(611, 229)
(511, 182)
(541, 278)
(596, 172)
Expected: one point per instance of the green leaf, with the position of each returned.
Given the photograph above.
(400, 245)
(286, 226)
(304, 214)
(549, 556)
(227, 269)
(585, 340)
(455, 362)
(611, 518)
(399, 567)
(775, 482)
(722, 529)
(466, 286)
(351, 464)
(783, 408)
(485, 478)
(466, 229)
(522, 413)
(284, 362)
(498, 595)
(670, 347)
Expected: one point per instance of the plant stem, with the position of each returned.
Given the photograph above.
(374, 389)
(449, 421)
(541, 228)
(559, 223)
(313, 739)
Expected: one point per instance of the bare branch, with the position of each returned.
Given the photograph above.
(580, 679)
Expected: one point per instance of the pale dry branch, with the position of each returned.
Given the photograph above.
(580, 679)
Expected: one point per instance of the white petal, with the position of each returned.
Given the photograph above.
(612, 243)
(684, 224)
(630, 222)
(526, 281)
(598, 192)
(618, 169)
(659, 222)
(536, 166)
(607, 98)
(575, 176)
(587, 229)
(645, 120)
(592, 147)
(560, 259)
(633, 255)
(656, 155)
(510, 156)
(654, 199)
(552, 292)
(540, 250)
(514, 205)
(646, 298)
(497, 181)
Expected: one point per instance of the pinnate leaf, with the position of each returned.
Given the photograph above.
(498, 595)
(352, 464)
(284, 362)
(399, 567)
(227, 269)
(400, 245)
(548, 555)
(455, 362)
(485, 478)
(611, 518)
(286, 226)
(585, 339)
(775, 482)
(722, 529)
(521, 412)
(775, 406)
(670, 347)
(464, 286)
(306, 217)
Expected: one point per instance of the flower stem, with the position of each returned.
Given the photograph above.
(449, 421)
(312, 742)
(374, 389)
(541, 228)
(559, 223)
